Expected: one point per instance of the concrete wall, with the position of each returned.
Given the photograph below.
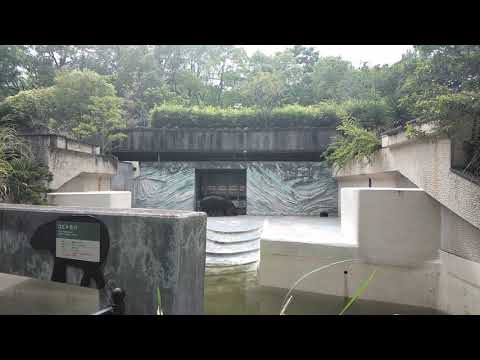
(87, 182)
(66, 165)
(282, 263)
(148, 249)
(41, 141)
(391, 179)
(106, 199)
(459, 292)
(460, 255)
(126, 173)
(427, 165)
(75, 166)
(396, 227)
(225, 140)
(273, 188)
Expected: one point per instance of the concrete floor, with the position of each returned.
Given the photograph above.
(21, 295)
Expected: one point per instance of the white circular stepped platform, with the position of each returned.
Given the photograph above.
(233, 241)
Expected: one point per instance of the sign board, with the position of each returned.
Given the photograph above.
(78, 241)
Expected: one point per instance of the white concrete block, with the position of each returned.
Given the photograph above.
(416, 286)
(104, 199)
(392, 226)
(459, 286)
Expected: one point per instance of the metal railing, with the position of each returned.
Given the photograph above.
(117, 306)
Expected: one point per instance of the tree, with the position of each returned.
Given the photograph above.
(332, 79)
(302, 92)
(80, 103)
(373, 114)
(11, 78)
(73, 92)
(104, 115)
(28, 109)
(442, 89)
(265, 91)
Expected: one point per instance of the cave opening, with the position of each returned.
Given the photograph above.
(221, 192)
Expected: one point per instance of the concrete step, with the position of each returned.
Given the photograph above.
(231, 260)
(233, 248)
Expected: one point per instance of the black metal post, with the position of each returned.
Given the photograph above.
(118, 301)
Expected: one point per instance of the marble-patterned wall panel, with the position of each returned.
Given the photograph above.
(273, 187)
(290, 188)
(165, 186)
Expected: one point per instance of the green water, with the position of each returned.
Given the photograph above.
(239, 294)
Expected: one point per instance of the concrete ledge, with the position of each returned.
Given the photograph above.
(460, 285)
(416, 286)
(149, 248)
(107, 199)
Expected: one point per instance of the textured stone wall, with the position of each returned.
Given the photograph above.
(273, 188)
(148, 249)
(221, 140)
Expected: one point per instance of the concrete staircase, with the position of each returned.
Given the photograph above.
(75, 166)
(231, 242)
(428, 166)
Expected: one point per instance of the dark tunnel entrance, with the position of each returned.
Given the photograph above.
(221, 192)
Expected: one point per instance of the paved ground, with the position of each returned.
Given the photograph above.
(307, 229)
(26, 296)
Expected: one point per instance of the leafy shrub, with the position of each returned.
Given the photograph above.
(451, 114)
(22, 179)
(27, 182)
(352, 144)
(169, 115)
(28, 109)
(372, 114)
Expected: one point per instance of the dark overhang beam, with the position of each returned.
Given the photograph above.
(219, 156)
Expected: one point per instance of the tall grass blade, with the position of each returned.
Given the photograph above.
(286, 304)
(359, 292)
(159, 301)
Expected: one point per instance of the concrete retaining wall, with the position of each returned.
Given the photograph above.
(282, 263)
(427, 165)
(391, 179)
(75, 166)
(148, 249)
(396, 227)
(106, 199)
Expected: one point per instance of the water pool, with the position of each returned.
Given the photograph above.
(239, 294)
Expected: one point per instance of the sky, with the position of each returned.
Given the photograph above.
(357, 54)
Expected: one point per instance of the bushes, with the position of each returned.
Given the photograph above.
(324, 114)
(352, 144)
(369, 113)
(22, 179)
(28, 109)
(27, 182)
(80, 104)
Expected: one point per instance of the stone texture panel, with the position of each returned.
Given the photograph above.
(273, 188)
